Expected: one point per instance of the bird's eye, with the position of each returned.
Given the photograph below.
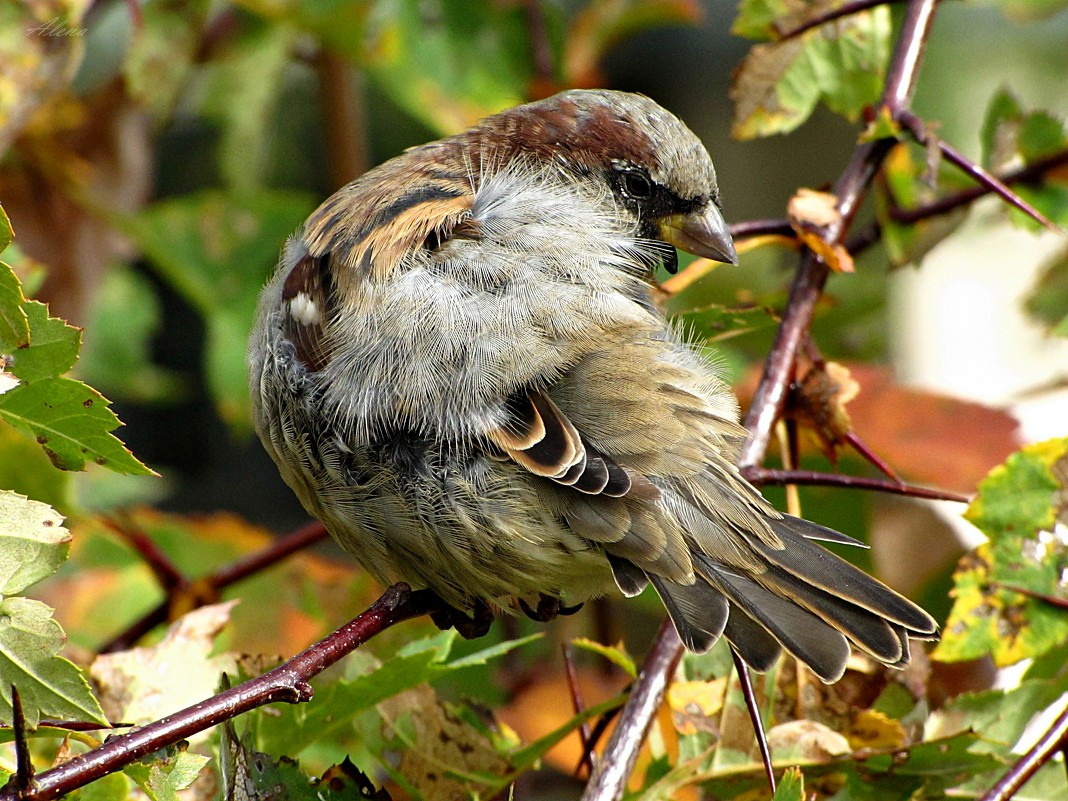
(635, 185)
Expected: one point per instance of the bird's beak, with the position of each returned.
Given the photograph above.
(703, 233)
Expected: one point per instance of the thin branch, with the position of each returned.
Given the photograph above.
(610, 776)
(844, 10)
(767, 475)
(748, 229)
(746, 680)
(588, 758)
(287, 682)
(952, 202)
(168, 576)
(230, 574)
(812, 274)
(975, 171)
(1038, 755)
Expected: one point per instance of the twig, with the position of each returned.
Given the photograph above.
(746, 680)
(230, 574)
(610, 776)
(579, 705)
(812, 274)
(956, 200)
(1038, 755)
(767, 475)
(916, 127)
(287, 682)
(844, 10)
(168, 576)
(747, 229)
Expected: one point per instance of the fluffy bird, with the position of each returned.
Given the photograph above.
(459, 368)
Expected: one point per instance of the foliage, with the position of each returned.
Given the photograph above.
(161, 153)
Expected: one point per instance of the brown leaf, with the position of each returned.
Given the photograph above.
(810, 214)
(818, 402)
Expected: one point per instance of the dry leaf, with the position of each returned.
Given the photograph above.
(810, 214)
(145, 684)
(818, 402)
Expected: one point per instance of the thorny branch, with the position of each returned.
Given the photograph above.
(609, 781)
(288, 682)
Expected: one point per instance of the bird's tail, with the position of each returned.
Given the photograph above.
(806, 600)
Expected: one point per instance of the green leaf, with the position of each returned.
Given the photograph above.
(48, 685)
(163, 774)
(72, 422)
(251, 67)
(791, 786)
(113, 787)
(217, 251)
(52, 349)
(124, 317)
(421, 661)
(33, 542)
(448, 63)
(617, 656)
(6, 233)
(1008, 593)
(779, 84)
(14, 327)
(757, 19)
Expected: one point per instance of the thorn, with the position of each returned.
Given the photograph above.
(746, 681)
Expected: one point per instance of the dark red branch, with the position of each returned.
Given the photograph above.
(844, 10)
(975, 171)
(766, 475)
(1032, 172)
(288, 682)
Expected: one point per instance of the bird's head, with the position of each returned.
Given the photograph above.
(656, 168)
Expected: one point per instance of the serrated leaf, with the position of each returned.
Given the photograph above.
(418, 662)
(1000, 588)
(6, 233)
(52, 349)
(163, 774)
(49, 686)
(72, 422)
(33, 542)
(14, 327)
(778, 85)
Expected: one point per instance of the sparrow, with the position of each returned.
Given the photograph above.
(460, 369)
